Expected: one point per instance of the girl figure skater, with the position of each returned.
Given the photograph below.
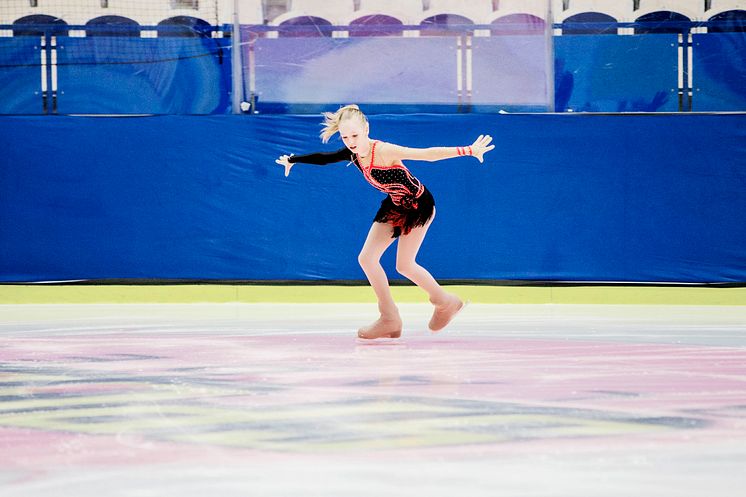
(406, 213)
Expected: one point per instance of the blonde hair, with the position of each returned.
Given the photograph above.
(333, 119)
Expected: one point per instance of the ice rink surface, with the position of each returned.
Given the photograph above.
(283, 400)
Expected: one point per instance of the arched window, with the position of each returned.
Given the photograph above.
(305, 27)
(38, 24)
(184, 27)
(112, 26)
(732, 21)
(661, 22)
(444, 24)
(597, 24)
(376, 25)
(518, 24)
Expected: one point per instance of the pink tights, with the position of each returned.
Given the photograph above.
(378, 240)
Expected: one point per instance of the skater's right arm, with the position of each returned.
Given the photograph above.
(318, 158)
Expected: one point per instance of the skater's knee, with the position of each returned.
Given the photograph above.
(406, 267)
(366, 259)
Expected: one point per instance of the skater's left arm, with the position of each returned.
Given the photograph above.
(477, 149)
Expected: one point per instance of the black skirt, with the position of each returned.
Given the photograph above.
(412, 213)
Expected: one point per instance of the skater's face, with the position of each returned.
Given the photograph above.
(354, 132)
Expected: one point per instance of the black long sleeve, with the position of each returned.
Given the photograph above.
(323, 158)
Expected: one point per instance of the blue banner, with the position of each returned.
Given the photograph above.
(645, 198)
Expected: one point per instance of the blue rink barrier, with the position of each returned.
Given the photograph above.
(630, 198)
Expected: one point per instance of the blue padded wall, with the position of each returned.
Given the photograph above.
(562, 197)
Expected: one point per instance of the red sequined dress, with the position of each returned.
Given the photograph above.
(408, 203)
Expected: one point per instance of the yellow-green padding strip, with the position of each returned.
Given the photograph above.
(90, 294)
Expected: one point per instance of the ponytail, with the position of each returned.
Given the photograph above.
(333, 119)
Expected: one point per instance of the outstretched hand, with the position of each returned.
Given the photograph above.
(481, 146)
(284, 161)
